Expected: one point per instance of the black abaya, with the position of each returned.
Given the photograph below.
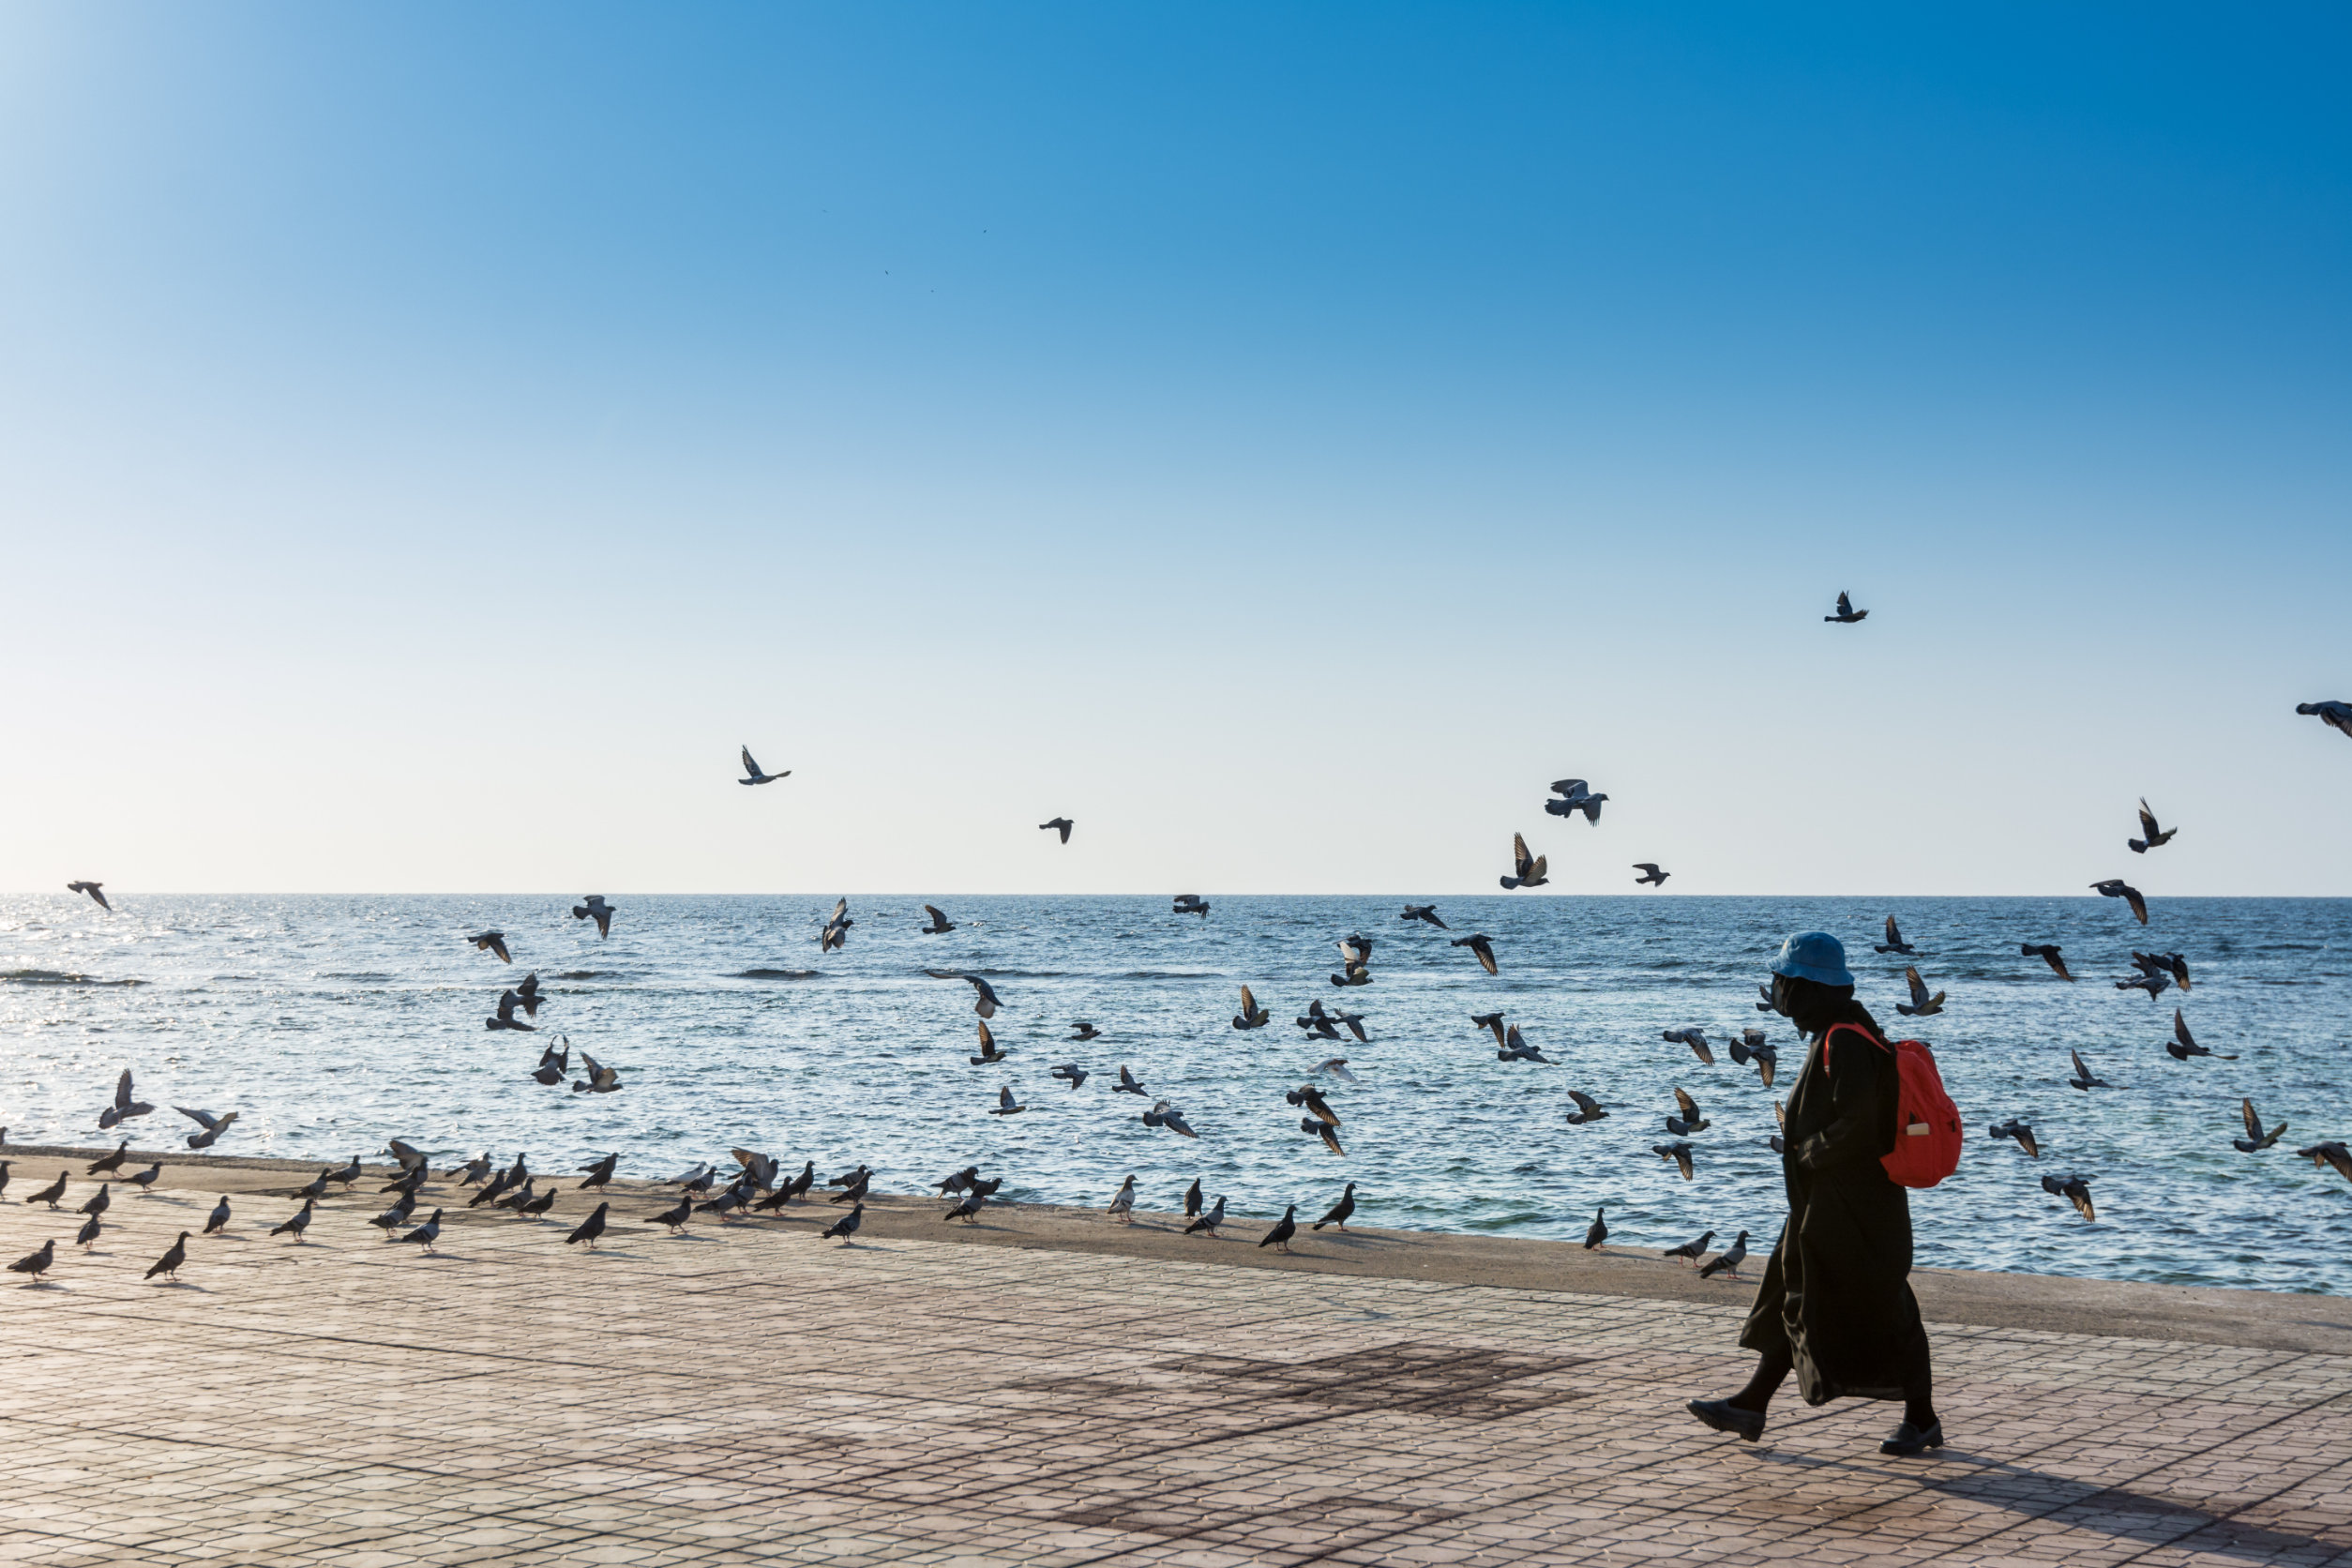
(1836, 1297)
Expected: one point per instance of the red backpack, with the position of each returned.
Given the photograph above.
(1927, 1149)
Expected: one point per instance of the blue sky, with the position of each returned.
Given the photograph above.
(1283, 440)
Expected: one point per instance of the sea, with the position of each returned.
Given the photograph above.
(333, 1023)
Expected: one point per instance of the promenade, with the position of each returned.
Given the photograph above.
(753, 1395)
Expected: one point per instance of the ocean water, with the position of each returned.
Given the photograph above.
(336, 1022)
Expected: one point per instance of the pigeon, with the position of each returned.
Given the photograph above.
(940, 925)
(1323, 1130)
(1340, 1211)
(2336, 715)
(37, 1263)
(726, 1203)
(1080, 1030)
(2076, 1190)
(845, 1227)
(1650, 876)
(1516, 1049)
(124, 1107)
(1071, 1073)
(798, 1186)
(1695, 1039)
(1193, 1200)
(1491, 1021)
(1317, 1022)
(2018, 1130)
(837, 929)
(108, 1163)
(1894, 943)
(491, 941)
(410, 1158)
(1484, 949)
(1689, 1251)
(2152, 981)
(1128, 1083)
(968, 1210)
(88, 1234)
(595, 908)
(1766, 1005)
(1004, 1103)
(1356, 954)
(169, 1264)
(590, 1229)
(1307, 1096)
(1587, 1108)
(1729, 1261)
(1336, 1066)
(92, 888)
(214, 1125)
(1527, 870)
(2183, 1045)
(675, 1218)
(1285, 1227)
(1680, 1153)
(1122, 1202)
(1575, 795)
(2256, 1140)
(2328, 1152)
(1598, 1231)
(508, 1001)
(1778, 1144)
(1427, 913)
(2116, 887)
(754, 774)
(144, 1180)
(2167, 963)
(299, 1223)
(1690, 1120)
(345, 1176)
(1751, 1047)
(517, 1197)
(601, 1080)
(1060, 824)
(986, 1004)
(49, 1194)
(1251, 1016)
(1921, 1005)
(218, 1221)
(2048, 953)
(599, 1172)
(2082, 1078)
(2151, 838)
(852, 1186)
(97, 1204)
(1846, 614)
(427, 1234)
(4, 1171)
(1192, 903)
(528, 989)
(988, 1053)
(409, 1183)
(1165, 1114)
(396, 1216)
(1210, 1221)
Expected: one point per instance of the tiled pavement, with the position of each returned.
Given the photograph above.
(763, 1396)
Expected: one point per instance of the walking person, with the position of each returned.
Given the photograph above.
(1835, 1303)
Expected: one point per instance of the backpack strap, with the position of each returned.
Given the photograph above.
(1831, 1033)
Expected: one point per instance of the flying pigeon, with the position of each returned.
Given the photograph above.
(92, 889)
(1894, 943)
(1652, 876)
(1060, 824)
(1526, 870)
(2149, 838)
(754, 775)
(2048, 953)
(595, 908)
(493, 942)
(1575, 795)
(1846, 614)
(1482, 948)
(1427, 913)
(986, 1004)
(1251, 1016)
(2256, 1139)
(1921, 1005)
(2116, 887)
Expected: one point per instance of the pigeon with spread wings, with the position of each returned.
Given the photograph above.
(986, 1003)
(1575, 795)
(754, 774)
(1526, 870)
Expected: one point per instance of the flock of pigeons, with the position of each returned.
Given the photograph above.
(758, 1181)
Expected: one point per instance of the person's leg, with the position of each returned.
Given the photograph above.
(1771, 1370)
(1918, 1385)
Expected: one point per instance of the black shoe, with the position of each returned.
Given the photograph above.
(1908, 1439)
(1724, 1416)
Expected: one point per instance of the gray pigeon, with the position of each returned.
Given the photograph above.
(2336, 715)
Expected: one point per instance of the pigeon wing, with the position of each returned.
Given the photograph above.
(1918, 986)
(2180, 1030)
(121, 1090)
(1690, 1107)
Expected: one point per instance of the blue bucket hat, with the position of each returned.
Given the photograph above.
(1813, 956)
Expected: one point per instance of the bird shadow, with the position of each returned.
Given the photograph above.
(182, 1285)
(40, 1285)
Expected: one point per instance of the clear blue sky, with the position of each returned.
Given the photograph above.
(433, 437)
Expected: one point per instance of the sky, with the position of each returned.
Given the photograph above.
(433, 438)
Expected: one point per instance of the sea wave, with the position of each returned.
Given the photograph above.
(57, 977)
(780, 974)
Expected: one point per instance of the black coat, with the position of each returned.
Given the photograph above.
(1836, 1297)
